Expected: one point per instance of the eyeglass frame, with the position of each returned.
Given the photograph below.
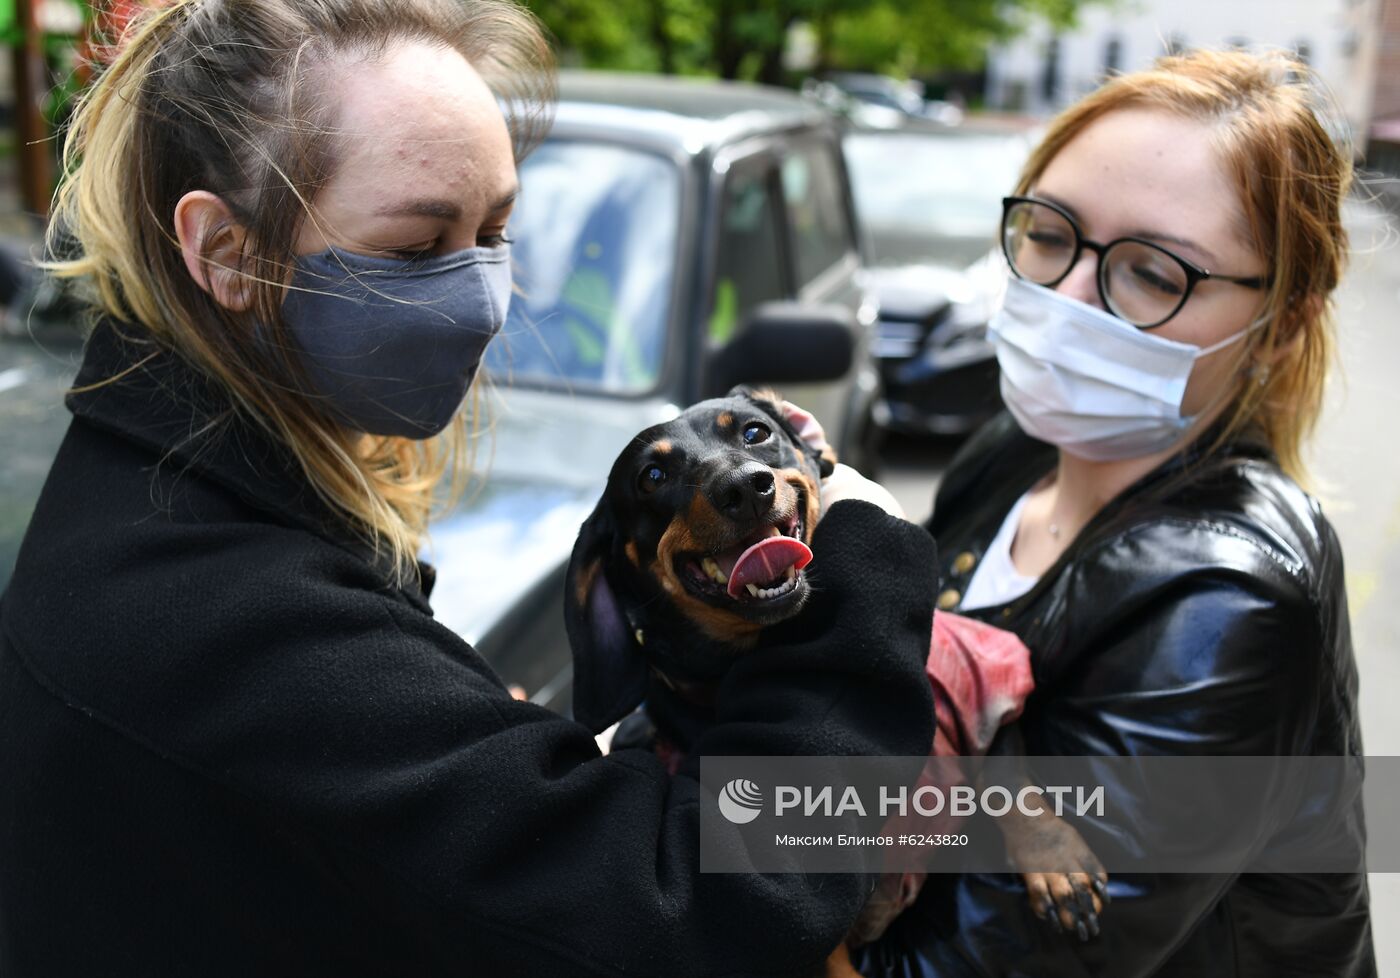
(1194, 273)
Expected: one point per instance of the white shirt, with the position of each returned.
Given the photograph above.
(996, 580)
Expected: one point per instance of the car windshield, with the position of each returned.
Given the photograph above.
(595, 239)
(927, 196)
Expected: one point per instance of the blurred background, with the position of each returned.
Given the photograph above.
(796, 192)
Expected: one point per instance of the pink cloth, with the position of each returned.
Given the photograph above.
(981, 676)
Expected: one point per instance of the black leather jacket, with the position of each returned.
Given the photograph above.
(1200, 612)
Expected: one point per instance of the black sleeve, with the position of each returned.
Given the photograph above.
(496, 826)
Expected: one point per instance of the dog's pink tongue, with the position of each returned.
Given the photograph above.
(766, 560)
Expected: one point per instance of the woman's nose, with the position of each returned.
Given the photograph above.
(1082, 282)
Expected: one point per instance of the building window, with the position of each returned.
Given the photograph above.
(1303, 52)
(1113, 56)
(1050, 81)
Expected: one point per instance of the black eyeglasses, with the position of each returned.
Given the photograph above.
(1139, 281)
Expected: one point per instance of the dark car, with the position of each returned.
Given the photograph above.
(929, 199)
(672, 238)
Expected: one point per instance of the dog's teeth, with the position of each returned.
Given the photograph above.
(753, 590)
(709, 566)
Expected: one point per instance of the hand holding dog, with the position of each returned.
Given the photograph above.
(845, 482)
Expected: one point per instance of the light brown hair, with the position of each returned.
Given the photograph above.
(1267, 117)
(229, 96)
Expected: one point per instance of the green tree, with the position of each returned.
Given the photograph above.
(906, 39)
(746, 38)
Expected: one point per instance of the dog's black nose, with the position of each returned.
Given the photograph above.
(743, 493)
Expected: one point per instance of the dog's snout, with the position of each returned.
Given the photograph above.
(744, 493)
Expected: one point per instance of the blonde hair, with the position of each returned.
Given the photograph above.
(1266, 114)
(228, 96)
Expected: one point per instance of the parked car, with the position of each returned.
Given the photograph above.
(903, 96)
(672, 238)
(929, 201)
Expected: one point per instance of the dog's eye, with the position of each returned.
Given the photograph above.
(755, 433)
(651, 478)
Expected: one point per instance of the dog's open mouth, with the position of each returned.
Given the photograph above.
(763, 568)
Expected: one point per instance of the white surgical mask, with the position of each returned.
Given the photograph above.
(1083, 379)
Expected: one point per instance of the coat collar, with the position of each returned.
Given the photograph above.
(160, 400)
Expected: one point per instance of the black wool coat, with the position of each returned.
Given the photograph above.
(229, 747)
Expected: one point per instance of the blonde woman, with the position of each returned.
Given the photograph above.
(233, 739)
(1136, 517)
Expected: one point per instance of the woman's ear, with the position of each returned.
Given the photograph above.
(1301, 312)
(212, 241)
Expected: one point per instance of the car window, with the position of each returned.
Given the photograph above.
(595, 243)
(749, 263)
(815, 198)
(919, 192)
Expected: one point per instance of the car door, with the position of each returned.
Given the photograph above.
(783, 233)
(825, 264)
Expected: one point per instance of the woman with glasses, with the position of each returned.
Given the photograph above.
(1136, 517)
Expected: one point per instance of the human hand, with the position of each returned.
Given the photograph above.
(808, 428)
(846, 483)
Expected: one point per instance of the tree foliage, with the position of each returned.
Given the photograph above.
(746, 38)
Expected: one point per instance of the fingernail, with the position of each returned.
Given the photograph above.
(1055, 922)
(1082, 930)
(1101, 888)
(1094, 924)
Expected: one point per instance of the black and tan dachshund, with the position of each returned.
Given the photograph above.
(697, 544)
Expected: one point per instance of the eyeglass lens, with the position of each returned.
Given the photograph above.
(1142, 283)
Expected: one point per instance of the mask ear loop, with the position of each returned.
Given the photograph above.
(1233, 338)
(1229, 341)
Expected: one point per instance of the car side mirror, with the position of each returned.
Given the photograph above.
(787, 343)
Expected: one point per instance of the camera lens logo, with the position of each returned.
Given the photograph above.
(740, 801)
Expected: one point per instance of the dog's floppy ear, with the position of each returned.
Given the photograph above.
(771, 402)
(609, 672)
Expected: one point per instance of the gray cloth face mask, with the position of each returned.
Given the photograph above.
(390, 345)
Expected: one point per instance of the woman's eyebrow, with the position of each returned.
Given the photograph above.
(1195, 246)
(446, 210)
(1150, 235)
